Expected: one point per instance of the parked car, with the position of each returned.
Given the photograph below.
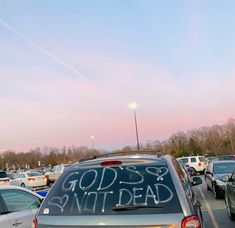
(18, 206)
(229, 194)
(214, 173)
(138, 190)
(54, 174)
(209, 160)
(4, 179)
(196, 163)
(29, 179)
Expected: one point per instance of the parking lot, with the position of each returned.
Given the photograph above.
(214, 212)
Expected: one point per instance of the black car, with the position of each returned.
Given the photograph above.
(214, 173)
(122, 190)
(4, 179)
(229, 195)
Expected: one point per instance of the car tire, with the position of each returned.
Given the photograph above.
(207, 187)
(230, 214)
(202, 172)
(194, 172)
(22, 185)
(217, 195)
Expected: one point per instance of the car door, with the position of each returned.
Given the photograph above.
(20, 207)
(188, 189)
(231, 189)
(15, 181)
(3, 217)
(209, 176)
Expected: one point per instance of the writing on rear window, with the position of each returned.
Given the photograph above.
(99, 190)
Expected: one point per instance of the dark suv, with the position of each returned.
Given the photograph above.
(134, 190)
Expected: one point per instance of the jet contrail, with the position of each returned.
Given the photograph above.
(44, 51)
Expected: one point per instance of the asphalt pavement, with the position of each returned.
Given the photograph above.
(213, 210)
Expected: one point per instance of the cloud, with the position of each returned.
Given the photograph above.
(58, 112)
(42, 50)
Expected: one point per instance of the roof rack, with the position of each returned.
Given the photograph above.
(120, 153)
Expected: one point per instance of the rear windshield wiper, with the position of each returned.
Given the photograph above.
(134, 207)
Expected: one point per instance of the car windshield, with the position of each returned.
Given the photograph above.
(184, 160)
(223, 168)
(148, 189)
(34, 174)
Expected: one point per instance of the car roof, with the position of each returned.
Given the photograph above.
(223, 161)
(124, 157)
(12, 187)
(196, 156)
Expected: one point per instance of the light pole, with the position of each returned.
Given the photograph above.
(133, 106)
(93, 142)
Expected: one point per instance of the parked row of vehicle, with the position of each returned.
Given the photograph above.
(219, 174)
(127, 190)
(220, 179)
(32, 179)
(198, 164)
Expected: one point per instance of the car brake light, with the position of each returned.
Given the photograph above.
(44, 178)
(31, 179)
(109, 163)
(191, 222)
(4, 180)
(35, 223)
(199, 164)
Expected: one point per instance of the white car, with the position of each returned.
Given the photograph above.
(18, 206)
(29, 179)
(196, 163)
(54, 174)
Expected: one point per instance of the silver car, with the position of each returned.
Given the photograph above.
(18, 206)
(134, 190)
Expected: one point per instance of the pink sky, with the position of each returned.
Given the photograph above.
(70, 73)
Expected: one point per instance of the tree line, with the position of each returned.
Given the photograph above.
(208, 140)
(39, 158)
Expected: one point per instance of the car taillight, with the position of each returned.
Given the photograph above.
(35, 223)
(31, 179)
(191, 222)
(199, 164)
(44, 178)
(4, 180)
(109, 163)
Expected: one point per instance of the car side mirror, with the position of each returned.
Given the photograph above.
(225, 178)
(196, 181)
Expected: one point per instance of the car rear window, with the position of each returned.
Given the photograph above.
(103, 190)
(223, 168)
(202, 159)
(34, 174)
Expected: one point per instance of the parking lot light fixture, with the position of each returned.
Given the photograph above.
(93, 142)
(133, 106)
